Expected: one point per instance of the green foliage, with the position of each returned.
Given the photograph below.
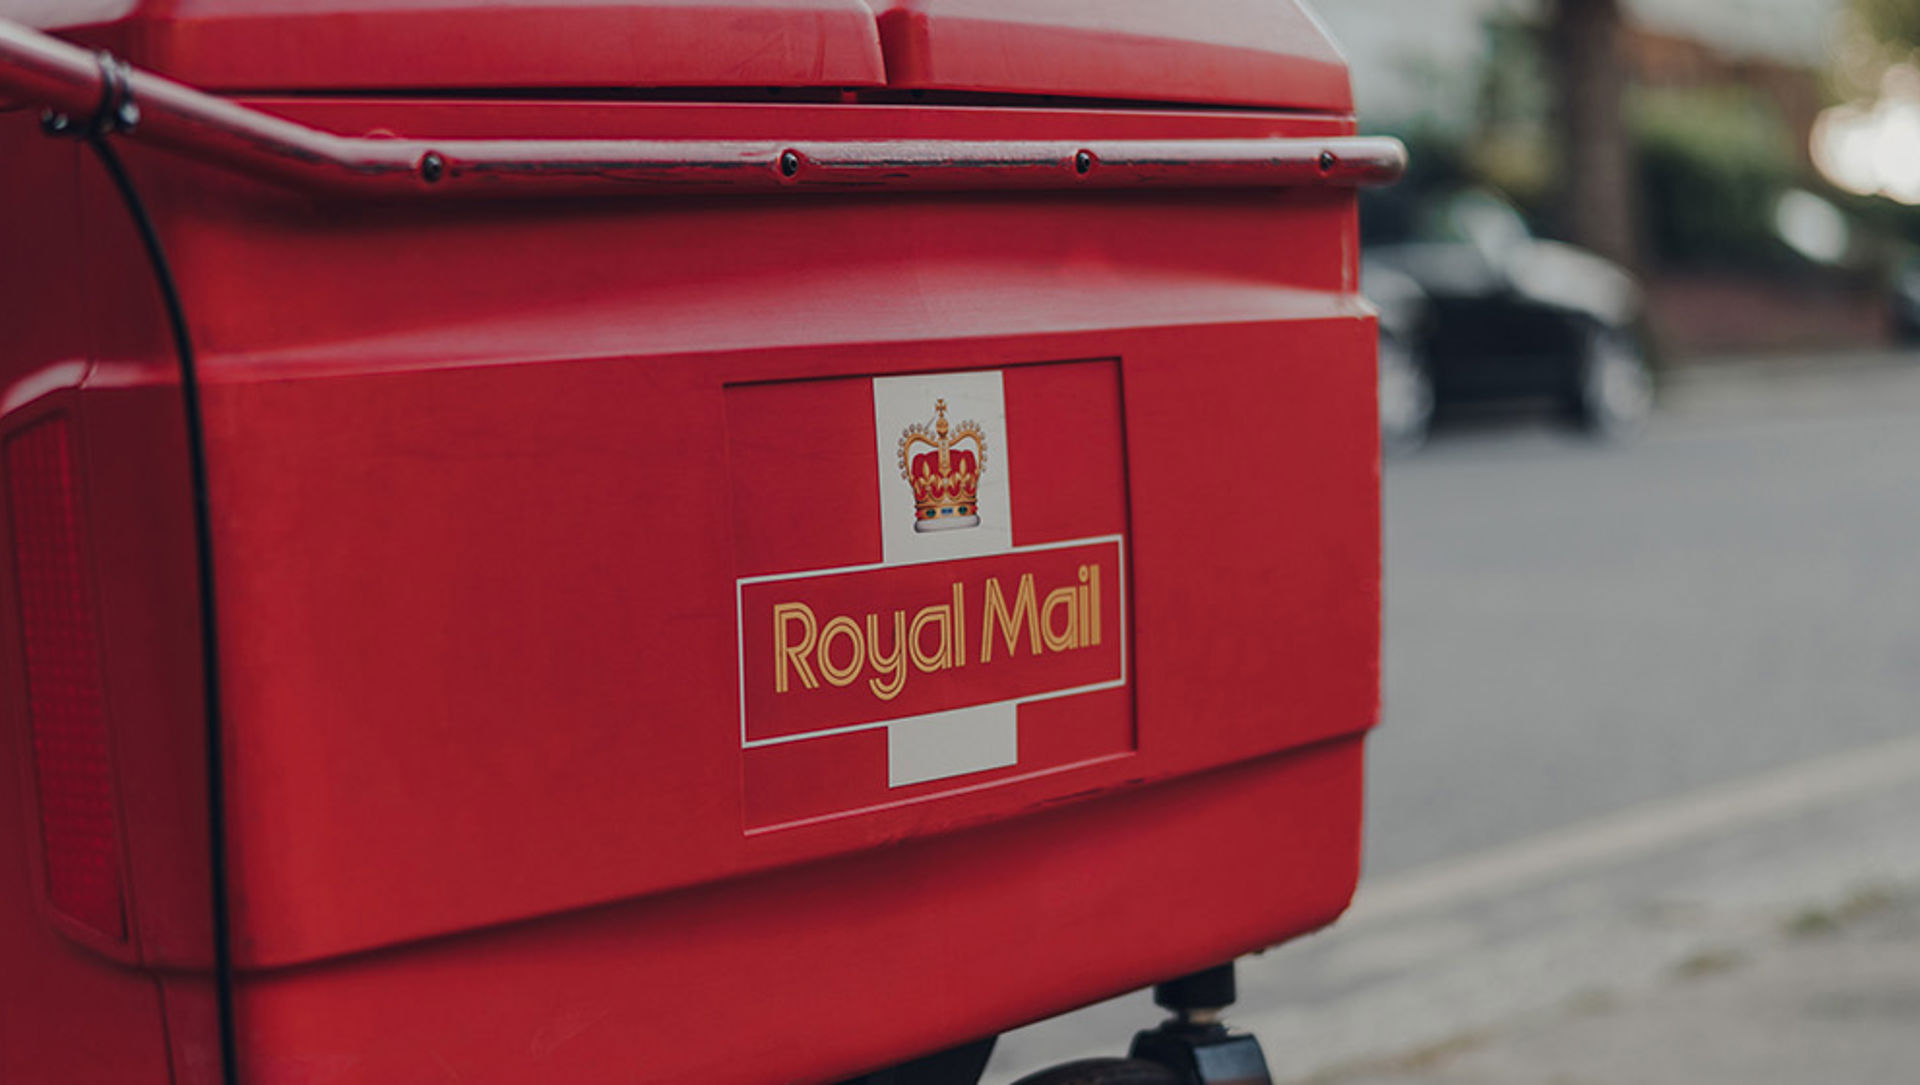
(1511, 144)
(1712, 164)
(1891, 21)
(1876, 36)
(1891, 229)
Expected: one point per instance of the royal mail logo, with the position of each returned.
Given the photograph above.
(945, 478)
(869, 645)
(936, 639)
(941, 641)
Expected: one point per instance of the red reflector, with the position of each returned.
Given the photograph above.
(65, 701)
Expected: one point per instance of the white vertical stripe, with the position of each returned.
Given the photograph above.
(899, 402)
(946, 744)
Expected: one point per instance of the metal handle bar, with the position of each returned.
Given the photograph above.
(73, 82)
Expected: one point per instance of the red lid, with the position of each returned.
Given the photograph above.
(1221, 52)
(1226, 52)
(234, 45)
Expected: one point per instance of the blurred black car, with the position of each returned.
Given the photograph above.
(1904, 308)
(1474, 308)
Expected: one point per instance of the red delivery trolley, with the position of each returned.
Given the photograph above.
(670, 540)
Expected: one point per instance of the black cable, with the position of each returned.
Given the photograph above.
(97, 138)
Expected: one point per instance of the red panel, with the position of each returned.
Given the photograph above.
(139, 509)
(1248, 613)
(935, 944)
(73, 765)
(1247, 52)
(801, 468)
(1070, 730)
(797, 781)
(512, 430)
(845, 775)
(1067, 421)
(68, 1013)
(416, 44)
(191, 1004)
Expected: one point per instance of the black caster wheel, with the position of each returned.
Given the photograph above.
(1105, 1072)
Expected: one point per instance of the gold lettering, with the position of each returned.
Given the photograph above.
(842, 676)
(928, 662)
(1082, 599)
(1023, 606)
(893, 667)
(783, 653)
(1067, 600)
(1067, 618)
(1093, 605)
(959, 626)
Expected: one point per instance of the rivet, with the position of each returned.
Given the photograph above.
(1083, 162)
(432, 167)
(789, 163)
(1327, 161)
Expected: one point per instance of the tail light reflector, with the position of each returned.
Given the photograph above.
(65, 699)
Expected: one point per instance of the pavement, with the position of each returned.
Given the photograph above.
(1649, 945)
(1644, 805)
(1829, 995)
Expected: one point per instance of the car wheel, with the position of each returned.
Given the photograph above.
(1406, 398)
(1615, 393)
(1105, 1072)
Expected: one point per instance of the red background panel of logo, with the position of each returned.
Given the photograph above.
(795, 782)
(978, 668)
(805, 496)
(805, 489)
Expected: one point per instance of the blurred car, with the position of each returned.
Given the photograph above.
(1474, 309)
(1904, 302)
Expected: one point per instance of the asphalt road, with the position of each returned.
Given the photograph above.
(1640, 701)
(1572, 629)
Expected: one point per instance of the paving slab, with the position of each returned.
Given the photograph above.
(1834, 996)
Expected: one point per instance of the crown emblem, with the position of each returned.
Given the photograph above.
(945, 479)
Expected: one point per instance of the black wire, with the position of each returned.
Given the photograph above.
(203, 559)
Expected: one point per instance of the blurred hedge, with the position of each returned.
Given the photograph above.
(1713, 162)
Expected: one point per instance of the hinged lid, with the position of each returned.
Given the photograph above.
(1221, 52)
(1268, 53)
(271, 45)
